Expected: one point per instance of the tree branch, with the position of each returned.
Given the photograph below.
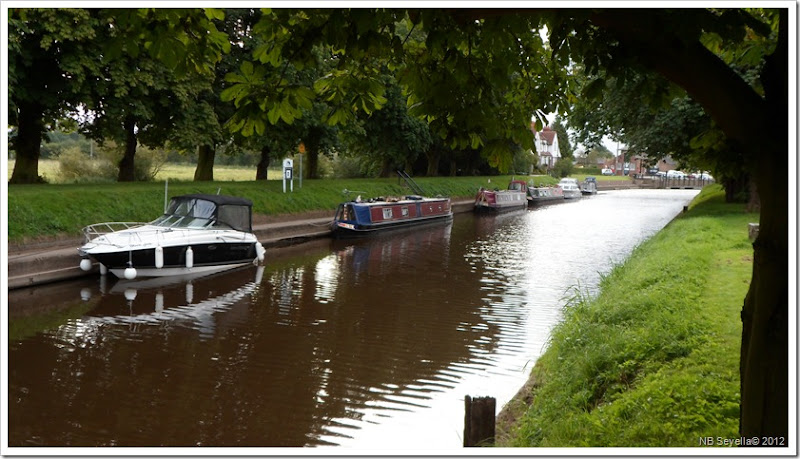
(728, 99)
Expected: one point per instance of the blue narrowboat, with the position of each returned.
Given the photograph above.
(359, 217)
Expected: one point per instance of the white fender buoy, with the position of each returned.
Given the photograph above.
(260, 251)
(103, 269)
(159, 257)
(86, 264)
(189, 257)
(159, 302)
(130, 294)
(130, 272)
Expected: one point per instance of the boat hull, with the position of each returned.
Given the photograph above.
(204, 255)
(342, 229)
(545, 195)
(179, 271)
(500, 201)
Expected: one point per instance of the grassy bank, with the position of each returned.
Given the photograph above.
(37, 211)
(653, 359)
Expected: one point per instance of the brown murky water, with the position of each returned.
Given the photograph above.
(368, 344)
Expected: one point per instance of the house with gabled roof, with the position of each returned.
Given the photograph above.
(547, 147)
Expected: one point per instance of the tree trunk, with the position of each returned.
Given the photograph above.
(312, 153)
(205, 164)
(753, 200)
(764, 361)
(263, 164)
(27, 145)
(386, 168)
(735, 188)
(764, 365)
(433, 163)
(127, 172)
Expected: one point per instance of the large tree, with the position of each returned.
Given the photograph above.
(673, 43)
(390, 138)
(473, 82)
(48, 60)
(58, 55)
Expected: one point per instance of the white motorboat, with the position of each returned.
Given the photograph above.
(570, 187)
(197, 233)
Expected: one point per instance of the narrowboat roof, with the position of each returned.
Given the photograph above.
(401, 200)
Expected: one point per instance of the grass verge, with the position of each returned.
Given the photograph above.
(653, 359)
(46, 211)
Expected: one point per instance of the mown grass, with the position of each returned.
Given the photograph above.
(36, 211)
(653, 359)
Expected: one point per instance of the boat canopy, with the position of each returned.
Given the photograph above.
(208, 210)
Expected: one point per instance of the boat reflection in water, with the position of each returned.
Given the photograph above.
(170, 299)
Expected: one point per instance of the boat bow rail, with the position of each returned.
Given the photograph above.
(101, 229)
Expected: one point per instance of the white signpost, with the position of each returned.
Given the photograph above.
(287, 174)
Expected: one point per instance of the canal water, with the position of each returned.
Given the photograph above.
(366, 344)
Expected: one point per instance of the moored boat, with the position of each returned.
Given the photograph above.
(570, 188)
(359, 217)
(545, 195)
(197, 233)
(514, 198)
(589, 185)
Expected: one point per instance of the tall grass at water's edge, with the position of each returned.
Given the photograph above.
(55, 210)
(653, 359)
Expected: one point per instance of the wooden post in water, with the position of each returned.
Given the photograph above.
(479, 421)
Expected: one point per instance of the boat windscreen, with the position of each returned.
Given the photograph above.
(199, 211)
(196, 208)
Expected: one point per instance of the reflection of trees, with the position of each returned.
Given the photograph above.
(379, 323)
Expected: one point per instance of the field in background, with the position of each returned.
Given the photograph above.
(49, 169)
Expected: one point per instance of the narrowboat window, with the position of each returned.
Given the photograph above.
(387, 212)
(346, 212)
(404, 211)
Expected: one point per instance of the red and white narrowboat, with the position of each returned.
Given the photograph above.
(514, 198)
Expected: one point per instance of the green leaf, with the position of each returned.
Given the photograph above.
(235, 92)
(594, 90)
(274, 114)
(214, 13)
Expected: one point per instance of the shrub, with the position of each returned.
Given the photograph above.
(347, 167)
(147, 163)
(75, 165)
(563, 167)
(522, 162)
